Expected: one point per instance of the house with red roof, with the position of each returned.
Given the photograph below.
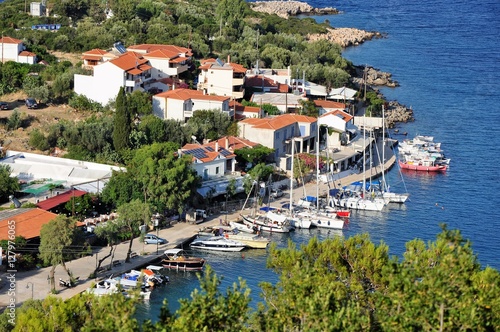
(13, 49)
(341, 128)
(129, 70)
(96, 57)
(215, 164)
(242, 112)
(167, 60)
(222, 78)
(180, 104)
(325, 106)
(279, 132)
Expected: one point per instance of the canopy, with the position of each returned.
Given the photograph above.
(342, 94)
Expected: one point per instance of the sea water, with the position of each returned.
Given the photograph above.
(446, 56)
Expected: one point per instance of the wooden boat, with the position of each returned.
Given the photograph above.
(424, 166)
(217, 243)
(176, 259)
(249, 240)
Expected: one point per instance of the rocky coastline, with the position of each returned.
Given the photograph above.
(286, 9)
(345, 37)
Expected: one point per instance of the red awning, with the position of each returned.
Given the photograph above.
(60, 199)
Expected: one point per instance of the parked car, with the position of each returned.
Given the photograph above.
(4, 106)
(276, 193)
(31, 103)
(153, 239)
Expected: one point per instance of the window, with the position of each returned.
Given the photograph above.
(217, 170)
(277, 135)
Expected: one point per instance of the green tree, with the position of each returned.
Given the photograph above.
(14, 120)
(56, 238)
(122, 188)
(122, 122)
(38, 140)
(439, 285)
(130, 217)
(10, 184)
(154, 128)
(257, 154)
(168, 181)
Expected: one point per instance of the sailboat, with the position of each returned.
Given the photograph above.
(363, 200)
(388, 196)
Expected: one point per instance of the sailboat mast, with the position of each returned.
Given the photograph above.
(317, 169)
(291, 178)
(384, 187)
(364, 155)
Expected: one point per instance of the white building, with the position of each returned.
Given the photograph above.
(13, 49)
(325, 106)
(277, 133)
(83, 175)
(341, 128)
(129, 70)
(38, 9)
(222, 79)
(215, 164)
(180, 104)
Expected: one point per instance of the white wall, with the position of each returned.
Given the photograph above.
(159, 107)
(10, 51)
(160, 67)
(103, 86)
(220, 82)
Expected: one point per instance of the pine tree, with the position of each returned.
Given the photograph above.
(122, 128)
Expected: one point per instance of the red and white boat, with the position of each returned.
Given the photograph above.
(423, 166)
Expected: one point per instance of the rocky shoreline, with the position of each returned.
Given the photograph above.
(345, 36)
(286, 9)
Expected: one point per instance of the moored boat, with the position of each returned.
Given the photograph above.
(177, 259)
(422, 166)
(269, 222)
(217, 243)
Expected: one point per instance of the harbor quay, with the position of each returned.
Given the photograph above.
(19, 286)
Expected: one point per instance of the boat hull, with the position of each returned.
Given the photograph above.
(265, 226)
(183, 265)
(422, 168)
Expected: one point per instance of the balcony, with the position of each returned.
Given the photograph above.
(176, 70)
(238, 81)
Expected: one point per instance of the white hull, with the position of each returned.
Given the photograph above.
(266, 225)
(356, 203)
(304, 223)
(217, 243)
(395, 198)
(323, 221)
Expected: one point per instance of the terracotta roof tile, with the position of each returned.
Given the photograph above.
(279, 121)
(328, 104)
(185, 94)
(148, 48)
(10, 40)
(26, 53)
(28, 223)
(60, 199)
(343, 115)
(129, 60)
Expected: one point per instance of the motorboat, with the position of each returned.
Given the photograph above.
(177, 259)
(217, 243)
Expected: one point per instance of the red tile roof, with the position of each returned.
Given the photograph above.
(60, 199)
(234, 143)
(10, 40)
(328, 104)
(131, 62)
(26, 53)
(28, 224)
(212, 64)
(186, 94)
(162, 53)
(208, 153)
(279, 121)
(259, 81)
(148, 48)
(341, 114)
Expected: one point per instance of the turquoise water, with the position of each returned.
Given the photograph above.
(446, 56)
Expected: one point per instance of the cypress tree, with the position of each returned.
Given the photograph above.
(122, 128)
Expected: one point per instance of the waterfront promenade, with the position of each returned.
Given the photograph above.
(35, 284)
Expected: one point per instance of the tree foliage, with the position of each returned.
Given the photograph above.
(9, 184)
(56, 238)
(122, 122)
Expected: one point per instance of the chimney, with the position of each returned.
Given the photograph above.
(228, 58)
(216, 146)
(227, 143)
